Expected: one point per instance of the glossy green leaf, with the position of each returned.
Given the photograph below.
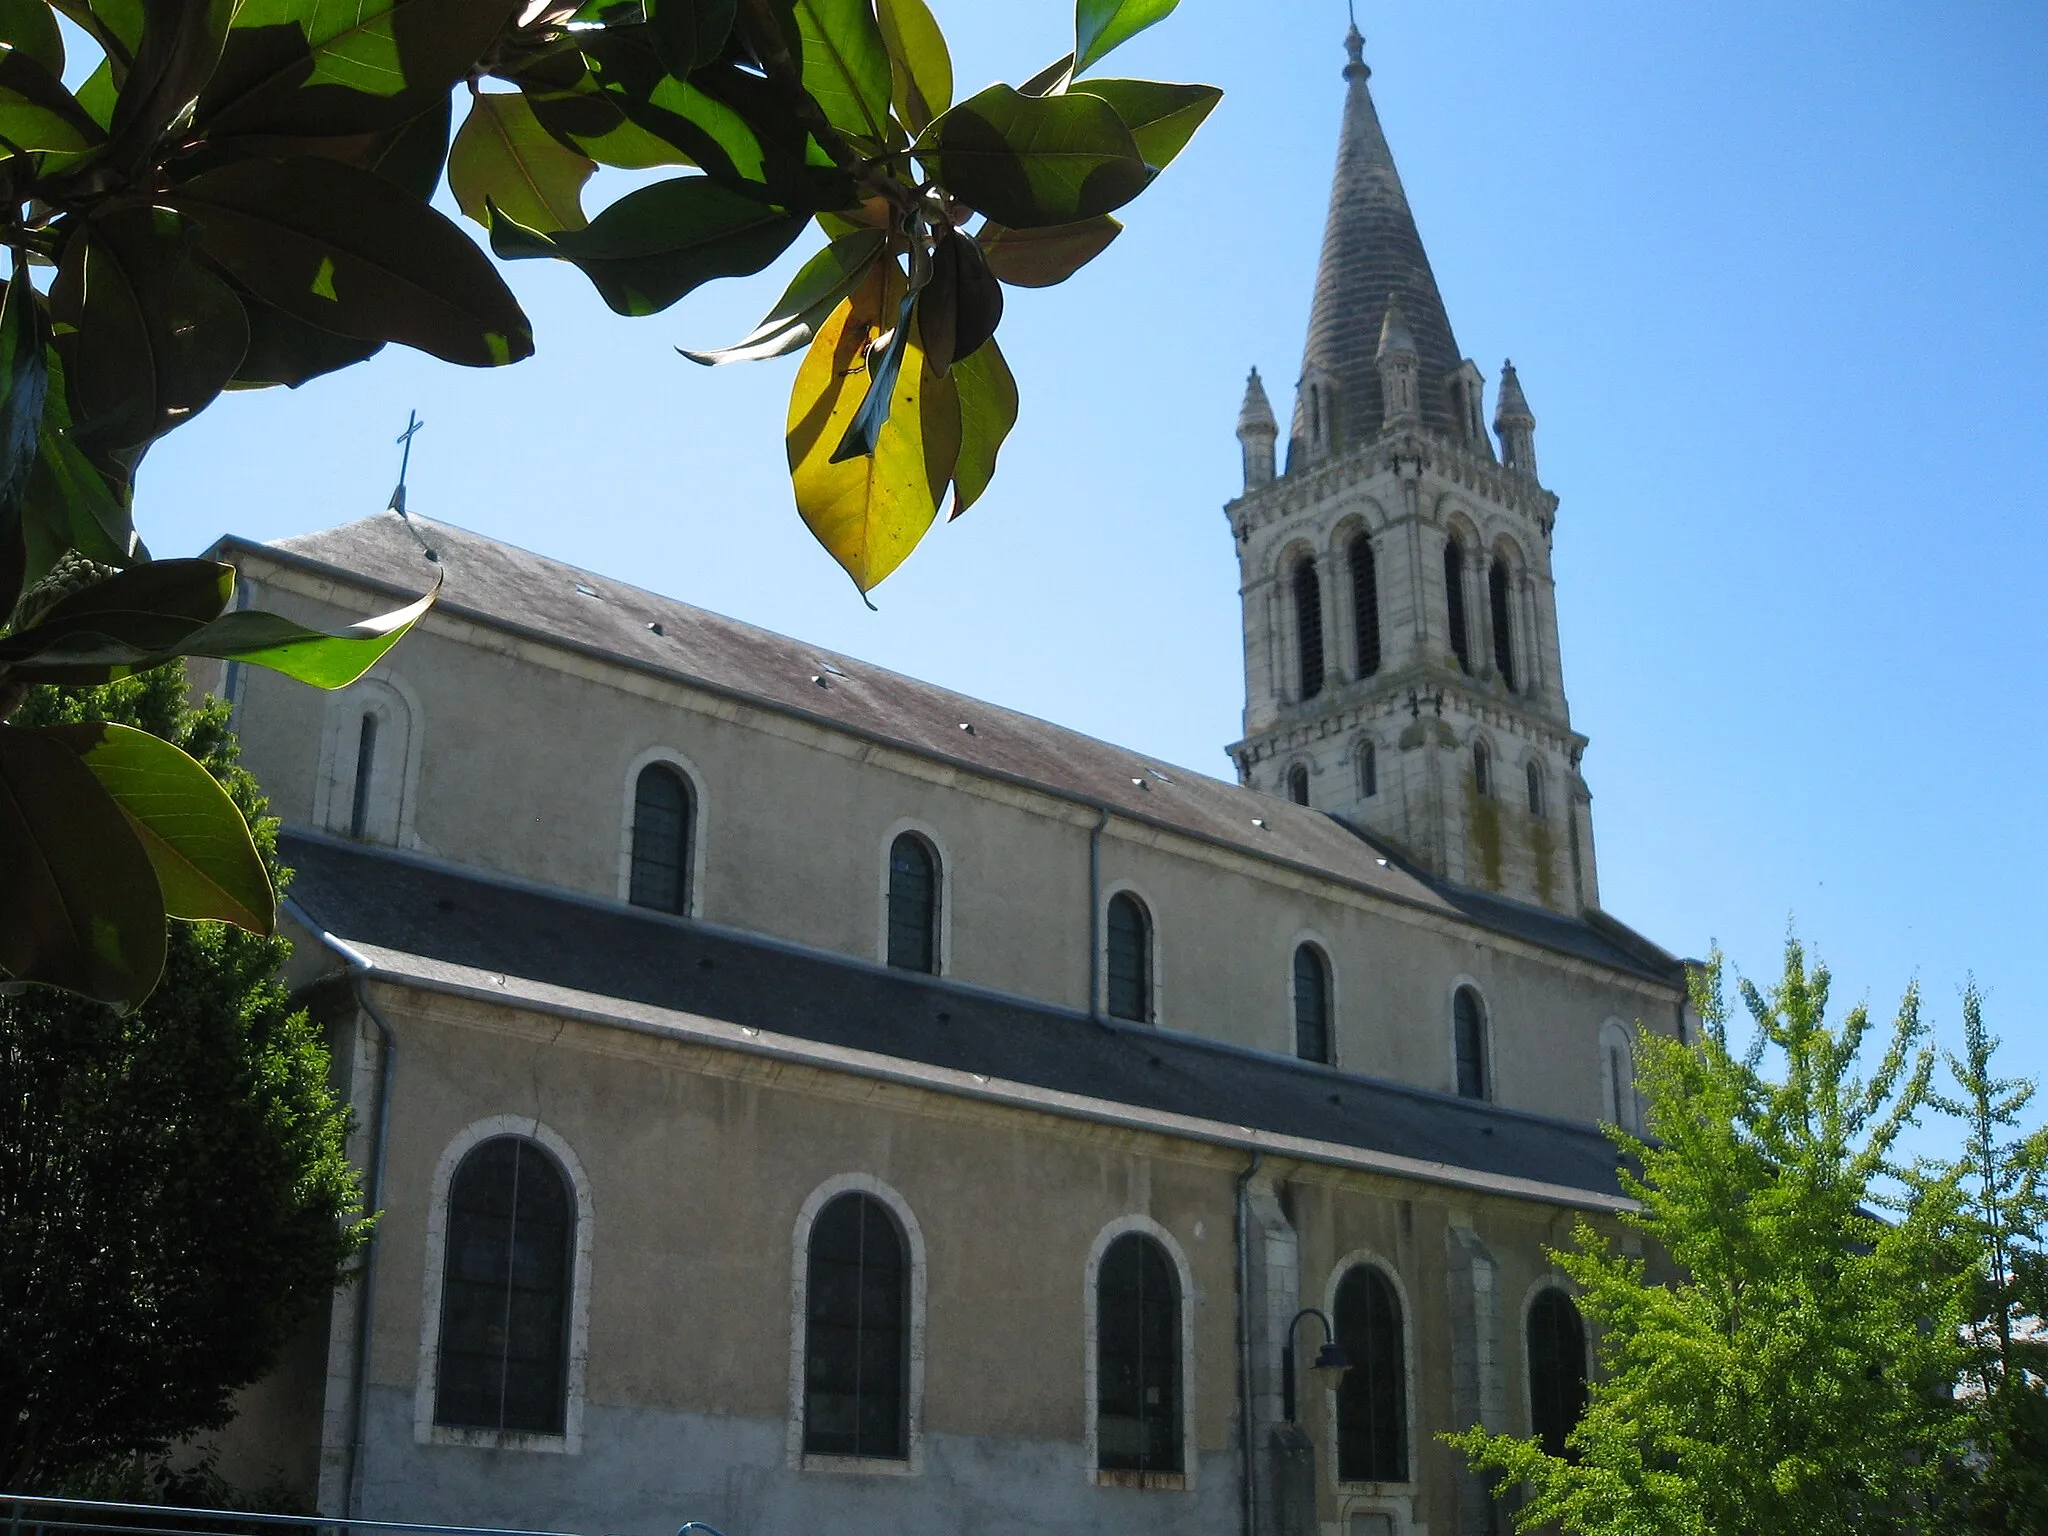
(656, 244)
(79, 902)
(344, 250)
(1051, 80)
(24, 383)
(178, 53)
(1030, 161)
(1039, 258)
(586, 120)
(920, 68)
(70, 503)
(146, 611)
(31, 26)
(116, 25)
(988, 409)
(1162, 117)
(846, 65)
(207, 867)
(689, 34)
(961, 306)
(503, 156)
(284, 349)
(308, 655)
(816, 290)
(1100, 25)
(36, 112)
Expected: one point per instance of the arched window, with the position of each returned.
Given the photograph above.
(1297, 784)
(1482, 768)
(1308, 627)
(661, 840)
(1137, 1358)
(1619, 1104)
(1368, 770)
(1372, 1397)
(1365, 605)
(1468, 1025)
(503, 1349)
(366, 775)
(1454, 601)
(1503, 622)
(1311, 1004)
(1557, 1371)
(857, 1332)
(1129, 971)
(1534, 775)
(913, 905)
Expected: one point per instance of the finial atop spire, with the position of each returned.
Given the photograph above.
(1257, 409)
(412, 426)
(1354, 46)
(1257, 431)
(1515, 423)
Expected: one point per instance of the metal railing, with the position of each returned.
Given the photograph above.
(33, 1515)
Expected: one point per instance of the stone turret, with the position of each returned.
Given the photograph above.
(1257, 431)
(1400, 369)
(1516, 424)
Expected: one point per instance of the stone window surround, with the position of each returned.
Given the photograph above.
(1327, 952)
(397, 707)
(1396, 1500)
(1625, 1112)
(1155, 988)
(1490, 1061)
(943, 870)
(1550, 1280)
(693, 893)
(1181, 1481)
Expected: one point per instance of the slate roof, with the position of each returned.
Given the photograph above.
(444, 917)
(512, 589)
(1372, 251)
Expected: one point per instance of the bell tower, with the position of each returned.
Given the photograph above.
(1400, 621)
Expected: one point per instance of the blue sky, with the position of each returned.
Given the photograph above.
(1773, 279)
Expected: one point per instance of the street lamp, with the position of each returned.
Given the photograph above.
(1330, 1360)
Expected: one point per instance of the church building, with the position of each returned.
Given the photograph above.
(812, 1102)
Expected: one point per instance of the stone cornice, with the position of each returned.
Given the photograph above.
(1303, 489)
(1348, 708)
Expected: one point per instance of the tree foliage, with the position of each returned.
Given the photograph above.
(174, 1196)
(238, 195)
(1792, 1372)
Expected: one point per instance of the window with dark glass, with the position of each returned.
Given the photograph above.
(503, 1355)
(1454, 600)
(366, 773)
(1372, 1397)
(1503, 623)
(1297, 784)
(1308, 627)
(1365, 605)
(1369, 771)
(1482, 768)
(661, 840)
(913, 905)
(1557, 1371)
(1129, 971)
(1311, 1004)
(1535, 777)
(1468, 1022)
(1137, 1358)
(857, 1332)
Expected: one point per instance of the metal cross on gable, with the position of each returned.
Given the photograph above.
(404, 440)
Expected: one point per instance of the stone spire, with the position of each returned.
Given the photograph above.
(1371, 251)
(1515, 423)
(1257, 430)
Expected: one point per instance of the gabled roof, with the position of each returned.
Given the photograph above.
(418, 924)
(512, 589)
(1372, 252)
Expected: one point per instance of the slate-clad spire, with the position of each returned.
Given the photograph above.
(1371, 252)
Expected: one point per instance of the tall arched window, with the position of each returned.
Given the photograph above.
(1503, 620)
(502, 1358)
(1137, 1358)
(1297, 784)
(913, 905)
(1468, 1026)
(661, 840)
(366, 775)
(1311, 1004)
(1308, 627)
(1619, 1103)
(1454, 601)
(1368, 770)
(1482, 768)
(1129, 972)
(1372, 1397)
(857, 1332)
(1534, 775)
(1365, 605)
(1557, 1371)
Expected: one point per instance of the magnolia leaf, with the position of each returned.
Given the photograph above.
(811, 296)
(920, 68)
(656, 244)
(24, 386)
(36, 112)
(689, 33)
(1161, 117)
(31, 26)
(988, 409)
(1031, 161)
(345, 250)
(1100, 25)
(1051, 80)
(1039, 258)
(284, 349)
(178, 53)
(885, 365)
(961, 306)
(79, 902)
(206, 865)
(846, 65)
(869, 511)
(308, 655)
(502, 156)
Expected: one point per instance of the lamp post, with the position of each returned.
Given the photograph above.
(1330, 1360)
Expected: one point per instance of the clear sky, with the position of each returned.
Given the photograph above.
(1776, 281)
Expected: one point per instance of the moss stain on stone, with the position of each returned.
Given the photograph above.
(1482, 815)
(1543, 845)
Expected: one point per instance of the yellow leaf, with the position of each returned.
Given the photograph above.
(869, 512)
(502, 154)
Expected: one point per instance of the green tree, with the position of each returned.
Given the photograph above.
(1787, 1370)
(174, 1198)
(2002, 1486)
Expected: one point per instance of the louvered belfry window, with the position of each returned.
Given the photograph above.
(1365, 600)
(1557, 1371)
(913, 905)
(1372, 1397)
(857, 1332)
(1311, 1004)
(661, 840)
(1129, 955)
(1308, 627)
(1503, 621)
(1137, 1359)
(1454, 600)
(1468, 1023)
(502, 1360)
